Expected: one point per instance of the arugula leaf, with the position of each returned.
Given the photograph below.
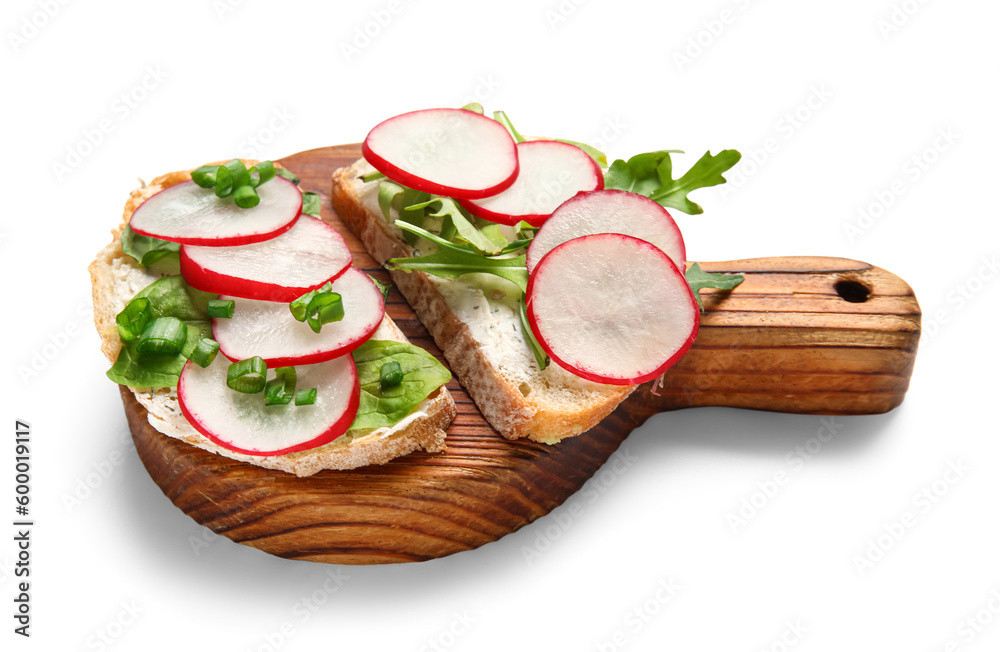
(541, 358)
(502, 118)
(146, 250)
(384, 288)
(493, 234)
(651, 174)
(639, 174)
(385, 406)
(168, 297)
(411, 229)
(449, 210)
(599, 157)
(698, 279)
(387, 193)
(310, 204)
(452, 264)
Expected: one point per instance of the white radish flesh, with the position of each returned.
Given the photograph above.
(268, 329)
(189, 214)
(550, 173)
(609, 211)
(450, 152)
(242, 423)
(280, 269)
(611, 308)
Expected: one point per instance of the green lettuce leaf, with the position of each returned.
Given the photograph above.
(146, 250)
(422, 374)
(699, 279)
(310, 204)
(168, 297)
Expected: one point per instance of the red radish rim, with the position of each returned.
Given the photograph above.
(581, 196)
(338, 428)
(534, 219)
(207, 280)
(588, 375)
(219, 242)
(321, 356)
(396, 173)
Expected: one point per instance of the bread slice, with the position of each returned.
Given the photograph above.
(476, 323)
(116, 278)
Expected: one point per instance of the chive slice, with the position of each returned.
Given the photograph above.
(282, 172)
(163, 335)
(133, 318)
(390, 374)
(223, 182)
(261, 173)
(246, 197)
(221, 308)
(247, 376)
(324, 308)
(204, 352)
(205, 175)
(300, 307)
(305, 396)
(281, 389)
(241, 176)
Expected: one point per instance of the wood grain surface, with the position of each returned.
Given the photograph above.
(805, 335)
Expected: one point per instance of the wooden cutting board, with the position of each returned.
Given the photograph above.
(804, 335)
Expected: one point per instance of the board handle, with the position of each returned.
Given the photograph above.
(805, 335)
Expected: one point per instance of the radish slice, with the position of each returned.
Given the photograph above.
(242, 423)
(267, 328)
(450, 152)
(609, 211)
(550, 173)
(611, 308)
(189, 214)
(280, 269)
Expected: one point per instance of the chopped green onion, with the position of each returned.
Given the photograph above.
(247, 376)
(133, 318)
(390, 374)
(221, 309)
(310, 204)
(205, 175)
(475, 107)
(246, 197)
(204, 352)
(163, 335)
(281, 389)
(324, 308)
(261, 173)
(282, 172)
(239, 172)
(372, 176)
(305, 396)
(223, 182)
(300, 307)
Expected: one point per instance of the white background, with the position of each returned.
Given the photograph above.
(869, 96)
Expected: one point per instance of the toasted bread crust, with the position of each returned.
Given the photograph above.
(355, 449)
(512, 412)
